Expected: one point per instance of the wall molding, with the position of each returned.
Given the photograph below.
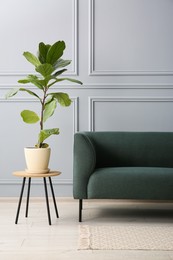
(75, 40)
(98, 86)
(94, 72)
(75, 114)
(74, 70)
(93, 100)
(127, 86)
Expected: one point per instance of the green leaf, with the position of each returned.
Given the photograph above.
(49, 109)
(45, 69)
(11, 93)
(14, 91)
(55, 80)
(59, 72)
(24, 81)
(44, 134)
(62, 79)
(35, 80)
(43, 50)
(61, 63)
(55, 52)
(44, 145)
(72, 80)
(29, 117)
(32, 58)
(48, 100)
(45, 81)
(62, 98)
(30, 92)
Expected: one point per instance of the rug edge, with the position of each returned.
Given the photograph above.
(84, 237)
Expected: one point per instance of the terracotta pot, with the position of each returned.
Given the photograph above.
(37, 159)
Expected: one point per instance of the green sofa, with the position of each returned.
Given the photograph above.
(123, 165)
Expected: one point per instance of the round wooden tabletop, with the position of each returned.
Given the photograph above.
(36, 175)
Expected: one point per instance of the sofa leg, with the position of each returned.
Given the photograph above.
(80, 209)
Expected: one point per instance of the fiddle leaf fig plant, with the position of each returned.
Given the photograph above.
(49, 66)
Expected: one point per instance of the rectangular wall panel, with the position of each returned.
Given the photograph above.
(130, 114)
(125, 37)
(23, 24)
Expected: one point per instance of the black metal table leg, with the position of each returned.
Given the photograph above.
(53, 195)
(80, 209)
(47, 201)
(27, 201)
(20, 200)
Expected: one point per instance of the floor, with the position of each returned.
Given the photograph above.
(32, 238)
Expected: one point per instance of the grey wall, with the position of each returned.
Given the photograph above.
(122, 50)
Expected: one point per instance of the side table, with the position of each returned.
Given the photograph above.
(25, 175)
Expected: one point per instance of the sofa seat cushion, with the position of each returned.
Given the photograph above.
(152, 183)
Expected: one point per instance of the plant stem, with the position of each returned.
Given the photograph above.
(42, 111)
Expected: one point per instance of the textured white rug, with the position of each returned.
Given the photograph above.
(126, 237)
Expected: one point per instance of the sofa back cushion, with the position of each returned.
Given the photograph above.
(133, 149)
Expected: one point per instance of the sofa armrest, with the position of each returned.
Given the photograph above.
(83, 164)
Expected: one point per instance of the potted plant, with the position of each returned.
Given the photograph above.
(49, 67)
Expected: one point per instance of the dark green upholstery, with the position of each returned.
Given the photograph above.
(123, 165)
(131, 183)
